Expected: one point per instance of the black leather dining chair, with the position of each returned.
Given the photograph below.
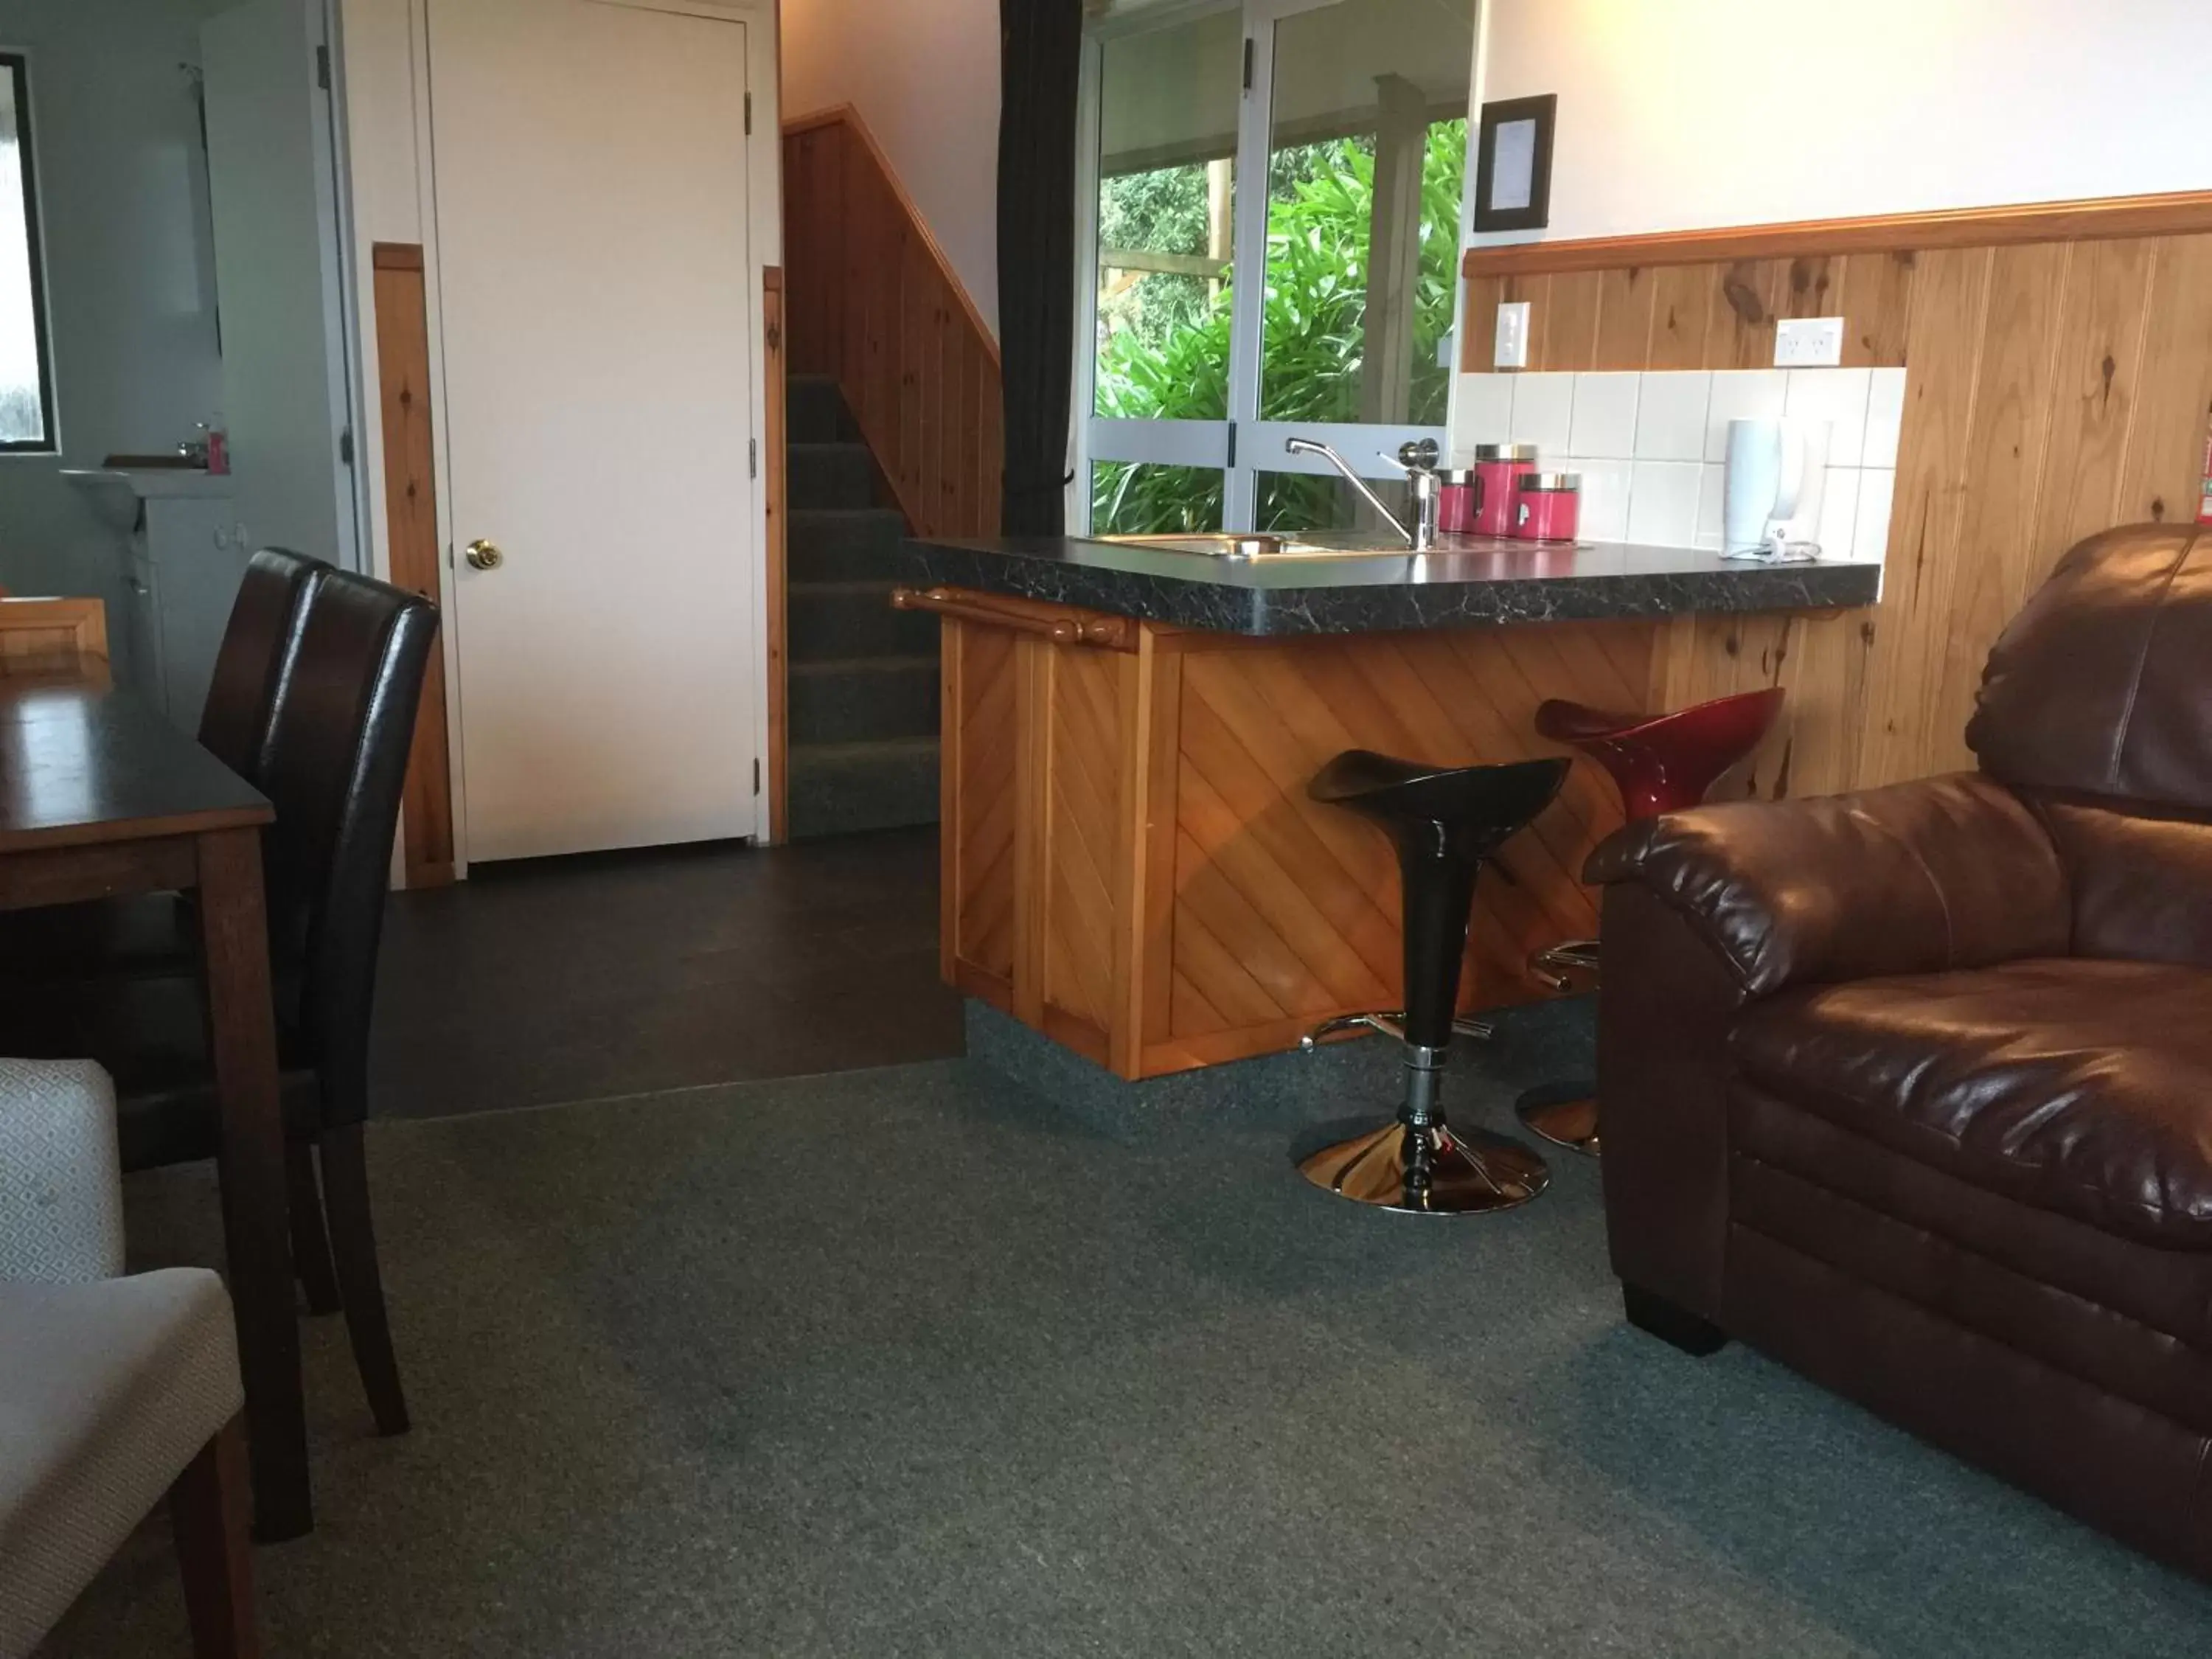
(260, 645)
(154, 933)
(333, 763)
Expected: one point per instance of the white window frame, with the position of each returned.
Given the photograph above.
(1241, 446)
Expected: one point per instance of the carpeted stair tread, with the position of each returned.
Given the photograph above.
(852, 699)
(831, 476)
(824, 544)
(840, 787)
(815, 412)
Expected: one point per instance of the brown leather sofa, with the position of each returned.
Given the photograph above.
(1912, 1089)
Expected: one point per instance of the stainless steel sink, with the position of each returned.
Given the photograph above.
(1254, 547)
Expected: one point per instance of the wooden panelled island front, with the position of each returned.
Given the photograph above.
(1130, 861)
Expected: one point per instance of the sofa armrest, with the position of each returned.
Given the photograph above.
(61, 1180)
(1943, 873)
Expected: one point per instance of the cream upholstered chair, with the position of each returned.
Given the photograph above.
(114, 1390)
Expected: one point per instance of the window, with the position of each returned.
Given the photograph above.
(26, 379)
(1318, 302)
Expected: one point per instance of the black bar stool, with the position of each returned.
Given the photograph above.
(1445, 821)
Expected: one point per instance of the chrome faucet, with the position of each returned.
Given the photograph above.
(1417, 460)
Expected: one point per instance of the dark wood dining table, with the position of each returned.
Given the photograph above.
(101, 797)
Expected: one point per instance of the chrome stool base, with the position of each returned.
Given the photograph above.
(1431, 1171)
(1391, 1025)
(1565, 1113)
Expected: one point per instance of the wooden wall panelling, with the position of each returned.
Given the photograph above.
(1875, 297)
(775, 313)
(1625, 302)
(410, 511)
(1478, 324)
(2003, 465)
(1152, 702)
(1680, 317)
(2173, 401)
(875, 303)
(2100, 363)
(1563, 320)
(1899, 738)
(1741, 305)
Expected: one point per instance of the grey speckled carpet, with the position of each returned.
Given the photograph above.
(909, 1362)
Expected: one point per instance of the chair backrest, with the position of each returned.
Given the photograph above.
(2096, 706)
(333, 767)
(258, 644)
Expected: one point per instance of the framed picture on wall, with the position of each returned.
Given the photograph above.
(1513, 164)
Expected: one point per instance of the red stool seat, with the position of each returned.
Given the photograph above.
(1663, 762)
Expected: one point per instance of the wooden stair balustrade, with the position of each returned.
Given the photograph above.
(871, 300)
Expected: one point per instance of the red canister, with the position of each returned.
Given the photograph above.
(1455, 488)
(1496, 467)
(1547, 506)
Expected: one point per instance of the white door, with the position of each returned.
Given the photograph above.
(272, 189)
(592, 275)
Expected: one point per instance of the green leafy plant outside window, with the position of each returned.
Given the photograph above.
(1165, 357)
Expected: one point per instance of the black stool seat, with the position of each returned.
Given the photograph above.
(1446, 821)
(1480, 803)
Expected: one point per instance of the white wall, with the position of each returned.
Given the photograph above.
(924, 75)
(131, 293)
(1703, 113)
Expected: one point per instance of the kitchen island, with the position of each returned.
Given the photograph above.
(1130, 862)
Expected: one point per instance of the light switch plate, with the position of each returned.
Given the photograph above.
(1808, 343)
(1512, 346)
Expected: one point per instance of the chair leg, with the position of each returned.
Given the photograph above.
(310, 1241)
(1677, 1327)
(208, 1509)
(352, 1242)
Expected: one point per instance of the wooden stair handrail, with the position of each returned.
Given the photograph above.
(1060, 624)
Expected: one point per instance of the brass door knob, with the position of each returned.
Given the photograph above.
(483, 555)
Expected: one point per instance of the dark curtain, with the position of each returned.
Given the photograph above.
(1040, 63)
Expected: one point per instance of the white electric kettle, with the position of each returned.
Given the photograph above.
(1777, 474)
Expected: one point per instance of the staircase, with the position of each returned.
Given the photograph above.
(864, 685)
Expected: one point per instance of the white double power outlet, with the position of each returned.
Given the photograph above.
(1808, 343)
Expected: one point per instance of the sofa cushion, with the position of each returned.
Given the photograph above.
(2082, 1087)
(107, 1391)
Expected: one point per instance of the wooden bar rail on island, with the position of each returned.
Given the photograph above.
(1130, 863)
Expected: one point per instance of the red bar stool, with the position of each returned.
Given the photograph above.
(1660, 763)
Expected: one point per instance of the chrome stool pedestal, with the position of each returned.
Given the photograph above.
(1446, 821)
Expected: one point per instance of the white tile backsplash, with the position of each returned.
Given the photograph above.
(1483, 414)
(1543, 410)
(1605, 497)
(1839, 512)
(1743, 394)
(1662, 502)
(1712, 483)
(1605, 415)
(1651, 448)
(1870, 535)
(1885, 417)
(1670, 416)
(1838, 396)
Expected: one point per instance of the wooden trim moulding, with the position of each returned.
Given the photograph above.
(2184, 213)
(851, 118)
(410, 507)
(774, 552)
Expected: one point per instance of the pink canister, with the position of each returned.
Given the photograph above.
(1496, 467)
(1547, 506)
(1455, 488)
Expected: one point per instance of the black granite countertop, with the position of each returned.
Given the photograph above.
(1471, 583)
